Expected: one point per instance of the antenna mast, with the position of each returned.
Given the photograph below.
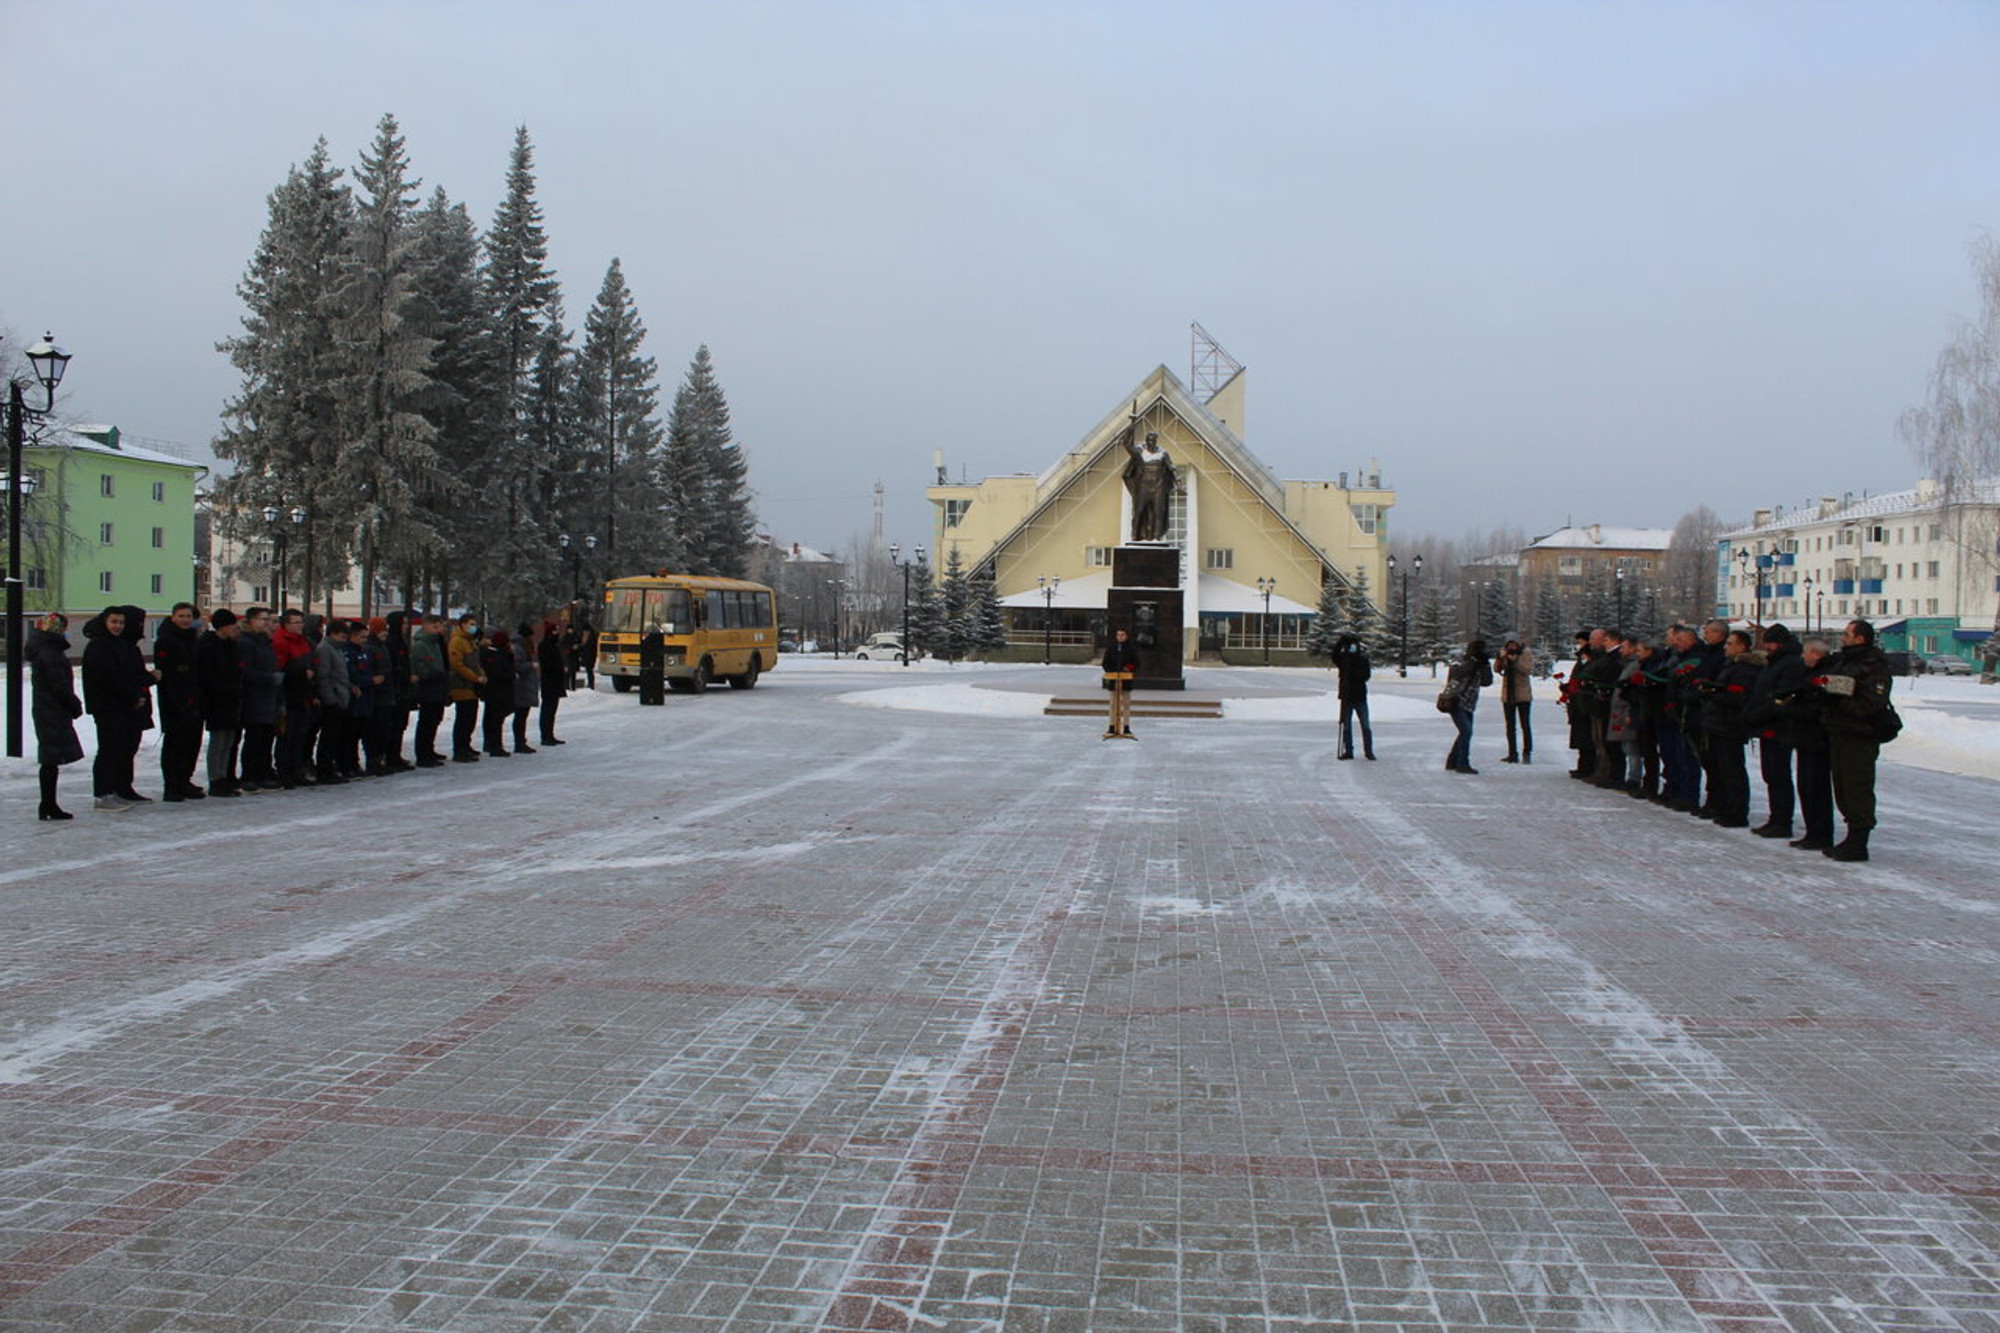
(1211, 367)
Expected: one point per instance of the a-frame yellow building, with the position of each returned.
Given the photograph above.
(1234, 521)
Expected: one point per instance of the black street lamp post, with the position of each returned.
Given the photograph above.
(1752, 570)
(1808, 581)
(1403, 652)
(271, 516)
(1619, 573)
(1267, 587)
(49, 362)
(576, 562)
(838, 585)
(1048, 586)
(896, 559)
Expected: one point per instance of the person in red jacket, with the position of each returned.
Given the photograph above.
(295, 654)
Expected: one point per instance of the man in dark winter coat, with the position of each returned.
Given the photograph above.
(1680, 720)
(1857, 720)
(1724, 700)
(294, 653)
(56, 707)
(263, 699)
(1350, 660)
(1804, 709)
(430, 678)
(555, 680)
(118, 692)
(392, 711)
(221, 687)
(1784, 672)
(174, 645)
(496, 666)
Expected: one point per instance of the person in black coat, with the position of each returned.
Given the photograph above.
(221, 688)
(496, 659)
(1350, 659)
(1120, 655)
(653, 668)
(263, 703)
(1803, 710)
(118, 692)
(1724, 701)
(174, 645)
(56, 707)
(1783, 673)
(555, 680)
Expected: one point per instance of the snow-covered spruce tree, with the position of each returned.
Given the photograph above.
(989, 626)
(382, 356)
(280, 430)
(1551, 635)
(1330, 620)
(705, 474)
(926, 610)
(1496, 612)
(519, 290)
(463, 380)
(1434, 630)
(618, 485)
(552, 429)
(1365, 621)
(954, 609)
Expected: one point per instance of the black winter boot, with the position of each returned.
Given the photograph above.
(1854, 847)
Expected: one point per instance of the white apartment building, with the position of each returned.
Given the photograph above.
(1926, 573)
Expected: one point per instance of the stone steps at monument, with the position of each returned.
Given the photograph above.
(1083, 707)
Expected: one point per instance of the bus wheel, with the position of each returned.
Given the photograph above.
(703, 673)
(748, 680)
(622, 684)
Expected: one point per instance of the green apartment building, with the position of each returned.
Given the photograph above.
(109, 523)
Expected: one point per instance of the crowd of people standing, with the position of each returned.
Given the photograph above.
(1671, 722)
(287, 702)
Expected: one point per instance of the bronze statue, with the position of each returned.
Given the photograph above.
(1149, 476)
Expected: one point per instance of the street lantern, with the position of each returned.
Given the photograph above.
(48, 362)
(1048, 585)
(896, 559)
(1619, 571)
(1267, 587)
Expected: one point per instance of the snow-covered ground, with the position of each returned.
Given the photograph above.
(873, 998)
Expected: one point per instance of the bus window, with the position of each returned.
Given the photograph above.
(678, 619)
(654, 599)
(717, 617)
(622, 611)
(763, 611)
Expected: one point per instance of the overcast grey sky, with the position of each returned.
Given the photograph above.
(1593, 260)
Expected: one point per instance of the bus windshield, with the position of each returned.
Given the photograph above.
(639, 610)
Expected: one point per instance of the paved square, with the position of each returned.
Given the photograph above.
(767, 1010)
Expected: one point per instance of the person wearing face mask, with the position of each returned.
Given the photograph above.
(462, 660)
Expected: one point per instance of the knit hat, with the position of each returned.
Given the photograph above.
(499, 638)
(378, 625)
(222, 617)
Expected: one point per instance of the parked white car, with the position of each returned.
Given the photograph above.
(884, 647)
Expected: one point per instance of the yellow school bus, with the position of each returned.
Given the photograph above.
(714, 629)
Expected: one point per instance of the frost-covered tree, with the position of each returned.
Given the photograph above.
(1955, 435)
(519, 292)
(706, 482)
(1434, 628)
(281, 428)
(382, 356)
(1330, 619)
(1687, 571)
(989, 626)
(463, 375)
(926, 610)
(1365, 619)
(617, 482)
(1496, 611)
(1551, 635)
(954, 609)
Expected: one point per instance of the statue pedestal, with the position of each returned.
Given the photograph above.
(1146, 599)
